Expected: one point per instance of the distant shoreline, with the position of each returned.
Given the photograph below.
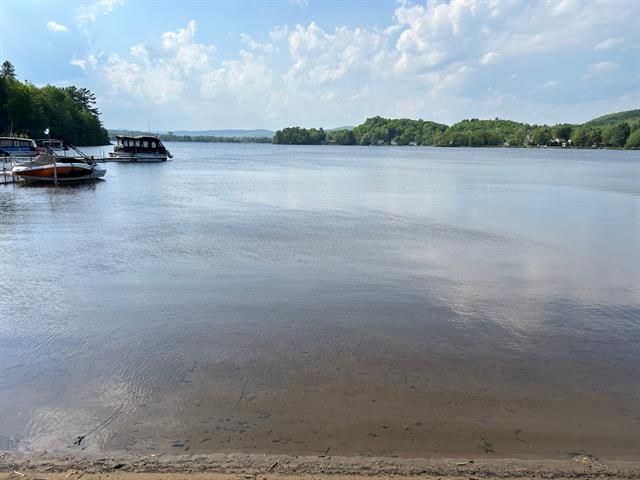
(515, 147)
(616, 130)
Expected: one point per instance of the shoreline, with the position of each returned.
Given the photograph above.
(40, 466)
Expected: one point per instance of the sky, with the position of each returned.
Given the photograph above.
(196, 65)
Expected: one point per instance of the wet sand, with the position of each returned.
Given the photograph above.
(265, 467)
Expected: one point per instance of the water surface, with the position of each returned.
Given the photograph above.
(351, 300)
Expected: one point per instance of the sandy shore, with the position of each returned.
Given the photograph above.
(267, 467)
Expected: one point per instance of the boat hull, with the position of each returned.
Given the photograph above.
(137, 157)
(62, 173)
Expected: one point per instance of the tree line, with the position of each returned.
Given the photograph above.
(300, 136)
(620, 130)
(172, 137)
(70, 113)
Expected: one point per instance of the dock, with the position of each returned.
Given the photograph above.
(6, 175)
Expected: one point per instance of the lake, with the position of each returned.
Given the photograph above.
(374, 301)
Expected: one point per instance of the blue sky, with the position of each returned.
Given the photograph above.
(267, 64)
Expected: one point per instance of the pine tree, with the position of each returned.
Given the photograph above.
(7, 70)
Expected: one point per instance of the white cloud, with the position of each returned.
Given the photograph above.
(244, 79)
(54, 26)
(84, 63)
(139, 51)
(427, 62)
(600, 68)
(299, 3)
(266, 47)
(318, 56)
(160, 76)
(79, 62)
(608, 43)
(184, 51)
(160, 83)
(183, 36)
(90, 13)
(489, 58)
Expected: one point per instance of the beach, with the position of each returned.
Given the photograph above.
(264, 467)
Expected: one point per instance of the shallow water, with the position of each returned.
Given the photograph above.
(327, 300)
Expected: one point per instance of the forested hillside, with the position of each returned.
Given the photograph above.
(617, 130)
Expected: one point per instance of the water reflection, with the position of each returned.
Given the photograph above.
(403, 301)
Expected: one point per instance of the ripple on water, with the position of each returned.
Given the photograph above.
(284, 300)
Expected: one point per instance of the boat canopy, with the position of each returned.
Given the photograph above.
(141, 143)
(16, 146)
(16, 142)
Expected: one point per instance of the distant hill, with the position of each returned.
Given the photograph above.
(616, 130)
(225, 133)
(613, 118)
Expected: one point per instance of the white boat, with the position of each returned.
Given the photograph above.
(12, 146)
(143, 148)
(51, 167)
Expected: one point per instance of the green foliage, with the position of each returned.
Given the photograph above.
(619, 128)
(7, 70)
(634, 139)
(69, 113)
(485, 133)
(614, 118)
(401, 131)
(342, 137)
(616, 135)
(83, 98)
(540, 136)
(563, 131)
(300, 136)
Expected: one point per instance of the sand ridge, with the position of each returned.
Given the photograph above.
(21, 466)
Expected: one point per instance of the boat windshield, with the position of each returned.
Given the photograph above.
(24, 143)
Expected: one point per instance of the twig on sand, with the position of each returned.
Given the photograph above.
(270, 469)
(18, 473)
(244, 386)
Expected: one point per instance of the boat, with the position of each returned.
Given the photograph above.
(50, 166)
(143, 148)
(24, 147)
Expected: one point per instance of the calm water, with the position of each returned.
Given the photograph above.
(371, 301)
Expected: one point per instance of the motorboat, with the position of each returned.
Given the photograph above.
(49, 166)
(24, 147)
(143, 148)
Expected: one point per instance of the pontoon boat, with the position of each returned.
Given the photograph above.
(139, 149)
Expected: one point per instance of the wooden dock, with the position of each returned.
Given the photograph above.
(6, 175)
